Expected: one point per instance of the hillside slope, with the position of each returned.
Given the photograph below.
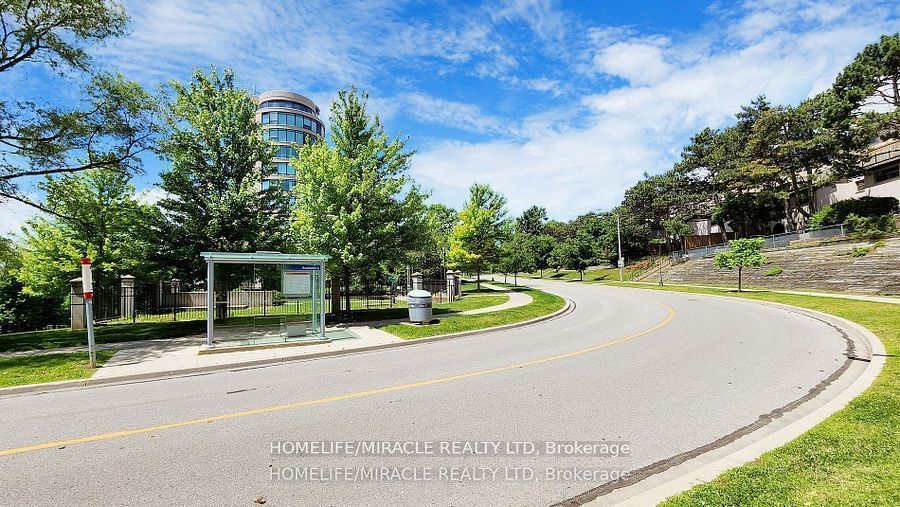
(829, 267)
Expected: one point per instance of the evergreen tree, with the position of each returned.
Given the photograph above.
(215, 200)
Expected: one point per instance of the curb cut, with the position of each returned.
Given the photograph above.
(200, 370)
(686, 473)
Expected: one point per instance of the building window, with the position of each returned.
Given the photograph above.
(284, 168)
(286, 152)
(887, 174)
(286, 104)
(292, 120)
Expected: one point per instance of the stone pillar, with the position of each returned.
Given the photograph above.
(126, 303)
(76, 305)
(451, 285)
(418, 281)
(458, 283)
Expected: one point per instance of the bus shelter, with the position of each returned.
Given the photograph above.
(264, 298)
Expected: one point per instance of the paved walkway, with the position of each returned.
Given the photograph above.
(182, 354)
(858, 297)
(174, 354)
(516, 299)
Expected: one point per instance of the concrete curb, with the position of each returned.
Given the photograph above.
(863, 368)
(162, 375)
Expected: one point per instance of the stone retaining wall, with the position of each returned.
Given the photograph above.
(826, 267)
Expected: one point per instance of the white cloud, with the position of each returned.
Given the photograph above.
(638, 62)
(14, 214)
(619, 134)
(451, 114)
(151, 195)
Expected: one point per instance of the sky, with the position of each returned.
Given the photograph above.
(560, 104)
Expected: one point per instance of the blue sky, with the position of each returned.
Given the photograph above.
(561, 104)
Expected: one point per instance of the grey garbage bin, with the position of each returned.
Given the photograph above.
(419, 302)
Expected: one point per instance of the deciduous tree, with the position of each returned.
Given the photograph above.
(355, 201)
(475, 243)
(110, 126)
(741, 253)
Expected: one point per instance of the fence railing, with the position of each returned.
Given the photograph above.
(771, 242)
(114, 305)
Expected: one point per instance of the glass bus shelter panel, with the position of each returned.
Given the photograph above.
(270, 309)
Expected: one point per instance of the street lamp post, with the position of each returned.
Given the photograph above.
(621, 259)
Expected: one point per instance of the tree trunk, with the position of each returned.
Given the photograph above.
(542, 272)
(336, 296)
(347, 292)
(478, 280)
(795, 189)
(740, 288)
(516, 279)
(580, 275)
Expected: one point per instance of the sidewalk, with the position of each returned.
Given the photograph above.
(183, 354)
(516, 299)
(858, 297)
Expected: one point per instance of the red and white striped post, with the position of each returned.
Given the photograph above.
(87, 284)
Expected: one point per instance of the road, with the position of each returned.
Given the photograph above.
(661, 373)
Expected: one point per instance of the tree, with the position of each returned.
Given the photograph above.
(96, 214)
(532, 221)
(873, 79)
(114, 125)
(541, 247)
(575, 253)
(749, 213)
(741, 253)
(355, 201)
(516, 255)
(434, 245)
(215, 200)
(475, 243)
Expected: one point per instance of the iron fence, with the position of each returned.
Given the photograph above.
(771, 242)
(155, 303)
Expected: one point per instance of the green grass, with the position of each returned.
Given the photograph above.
(471, 300)
(851, 458)
(54, 338)
(16, 371)
(116, 333)
(542, 304)
(590, 275)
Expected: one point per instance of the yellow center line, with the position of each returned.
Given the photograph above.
(339, 397)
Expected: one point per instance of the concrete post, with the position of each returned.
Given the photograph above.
(418, 281)
(458, 281)
(126, 301)
(451, 285)
(76, 305)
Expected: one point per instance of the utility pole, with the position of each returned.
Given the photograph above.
(621, 260)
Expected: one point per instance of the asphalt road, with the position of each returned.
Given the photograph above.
(663, 373)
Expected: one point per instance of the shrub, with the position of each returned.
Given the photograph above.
(25, 312)
(860, 251)
(864, 207)
(870, 227)
(775, 271)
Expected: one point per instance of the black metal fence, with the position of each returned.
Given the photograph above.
(159, 303)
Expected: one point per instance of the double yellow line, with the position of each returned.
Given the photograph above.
(340, 397)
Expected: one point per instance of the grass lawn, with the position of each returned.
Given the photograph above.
(54, 338)
(851, 458)
(16, 371)
(471, 300)
(590, 275)
(542, 304)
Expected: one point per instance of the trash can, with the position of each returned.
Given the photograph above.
(419, 302)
